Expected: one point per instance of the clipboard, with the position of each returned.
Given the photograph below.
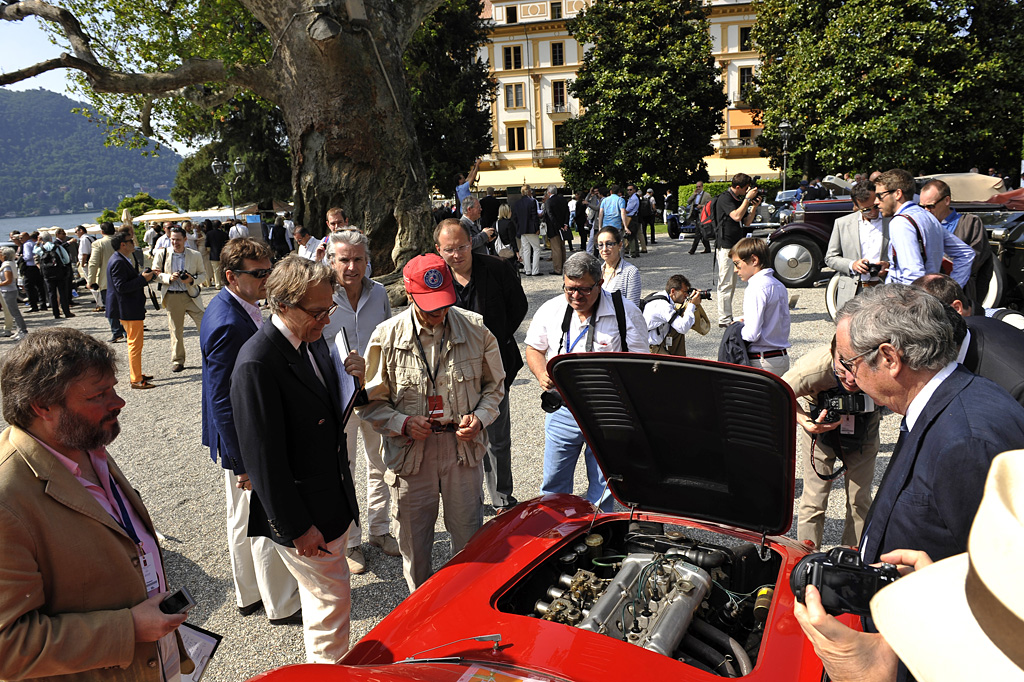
(201, 645)
(358, 390)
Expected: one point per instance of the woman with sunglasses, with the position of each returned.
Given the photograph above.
(618, 274)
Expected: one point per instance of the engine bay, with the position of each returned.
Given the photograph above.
(703, 602)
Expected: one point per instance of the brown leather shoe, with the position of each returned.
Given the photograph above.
(142, 384)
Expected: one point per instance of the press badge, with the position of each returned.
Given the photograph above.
(847, 424)
(435, 407)
(149, 573)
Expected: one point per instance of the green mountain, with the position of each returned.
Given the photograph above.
(53, 160)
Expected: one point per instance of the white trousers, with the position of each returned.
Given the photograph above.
(256, 566)
(531, 254)
(378, 495)
(726, 286)
(326, 599)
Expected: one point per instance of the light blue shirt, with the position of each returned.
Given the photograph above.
(765, 312)
(905, 250)
(372, 308)
(950, 222)
(633, 205)
(612, 206)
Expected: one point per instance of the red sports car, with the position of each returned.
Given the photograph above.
(691, 583)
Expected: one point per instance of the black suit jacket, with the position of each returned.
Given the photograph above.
(292, 439)
(126, 296)
(556, 214)
(932, 488)
(499, 297)
(996, 352)
(488, 210)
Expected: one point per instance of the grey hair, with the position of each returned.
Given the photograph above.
(552, 189)
(292, 278)
(913, 321)
(8, 253)
(351, 237)
(469, 202)
(581, 264)
(45, 237)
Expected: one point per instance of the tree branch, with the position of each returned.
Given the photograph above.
(29, 72)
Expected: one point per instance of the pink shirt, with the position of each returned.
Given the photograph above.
(105, 497)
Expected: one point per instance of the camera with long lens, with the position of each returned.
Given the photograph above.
(705, 294)
(846, 584)
(836, 402)
(551, 400)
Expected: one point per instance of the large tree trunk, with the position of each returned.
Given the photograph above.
(353, 142)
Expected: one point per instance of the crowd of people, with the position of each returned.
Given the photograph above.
(286, 395)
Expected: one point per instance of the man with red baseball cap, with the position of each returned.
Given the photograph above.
(434, 381)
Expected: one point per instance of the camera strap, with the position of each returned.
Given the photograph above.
(563, 341)
(837, 472)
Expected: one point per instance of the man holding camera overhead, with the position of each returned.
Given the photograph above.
(178, 269)
(585, 319)
(733, 211)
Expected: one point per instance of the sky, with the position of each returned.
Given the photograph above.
(23, 43)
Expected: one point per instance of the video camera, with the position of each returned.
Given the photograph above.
(845, 583)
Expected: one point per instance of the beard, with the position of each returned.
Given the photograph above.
(78, 433)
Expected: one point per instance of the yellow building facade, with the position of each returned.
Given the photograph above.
(533, 58)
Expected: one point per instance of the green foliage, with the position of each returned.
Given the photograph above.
(650, 90)
(927, 85)
(451, 90)
(138, 204)
(769, 185)
(51, 158)
(248, 129)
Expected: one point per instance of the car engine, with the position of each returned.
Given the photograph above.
(702, 603)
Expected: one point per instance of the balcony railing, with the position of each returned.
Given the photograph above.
(726, 143)
(560, 108)
(547, 153)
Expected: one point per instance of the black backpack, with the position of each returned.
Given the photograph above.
(646, 210)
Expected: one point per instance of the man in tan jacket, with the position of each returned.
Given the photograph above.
(179, 270)
(81, 574)
(434, 382)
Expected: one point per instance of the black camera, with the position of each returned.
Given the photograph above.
(845, 583)
(551, 400)
(705, 294)
(837, 402)
(874, 269)
(184, 274)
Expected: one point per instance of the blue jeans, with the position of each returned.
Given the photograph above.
(562, 443)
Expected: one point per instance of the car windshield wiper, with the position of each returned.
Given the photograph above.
(480, 638)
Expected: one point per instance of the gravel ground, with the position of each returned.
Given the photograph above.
(159, 449)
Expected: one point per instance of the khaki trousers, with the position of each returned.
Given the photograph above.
(133, 329)
(557, 254)
(378, 495)
(258, 570)
(726, 286)
(860, 472)
(326, 596)
(177, 305)
(218, 274)
(416, 500)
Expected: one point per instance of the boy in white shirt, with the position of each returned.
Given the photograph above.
(765, 307)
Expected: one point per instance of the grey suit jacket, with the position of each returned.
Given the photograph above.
(844, 248)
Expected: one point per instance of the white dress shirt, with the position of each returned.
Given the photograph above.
(546, 328)
(765, 313)
(920, 400)
(253, 310)
(870, 242)
(658, 312)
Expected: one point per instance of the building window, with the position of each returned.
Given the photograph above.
(559, 137)
(516, 138)
(746, 82)
(514, 96)
(745, 44)
(557, 54)
(511, 14)
(556, 10)
(513, 57)
(558, 95)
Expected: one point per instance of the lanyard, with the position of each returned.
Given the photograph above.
(126, 520)
(423, 356)
(583, 332)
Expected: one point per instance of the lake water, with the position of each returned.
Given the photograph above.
(66, 220)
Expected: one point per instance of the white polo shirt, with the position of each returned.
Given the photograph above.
(546, 328)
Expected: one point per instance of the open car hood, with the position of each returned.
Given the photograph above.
(687, 437)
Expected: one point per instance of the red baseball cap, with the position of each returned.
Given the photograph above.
(429, 281)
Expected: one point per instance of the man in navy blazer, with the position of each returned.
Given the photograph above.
(897, 342)
(233, 316)
(287, 400)
(126, 301)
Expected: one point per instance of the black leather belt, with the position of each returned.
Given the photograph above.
(769, 354)
(450, 427)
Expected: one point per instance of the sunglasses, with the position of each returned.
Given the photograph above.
(262, 273)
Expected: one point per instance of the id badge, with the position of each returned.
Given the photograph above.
(149, 573)
(435, 407)
(847, 424)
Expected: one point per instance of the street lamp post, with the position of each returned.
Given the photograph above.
(219, 168)
(784, 131)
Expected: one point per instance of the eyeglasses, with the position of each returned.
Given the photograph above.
(450, 251)
(261, 273)
(606, 245)
(318, 317)
(929, 207)
(869, 209)
(848, 364)
(580, 291)
(881, 195)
